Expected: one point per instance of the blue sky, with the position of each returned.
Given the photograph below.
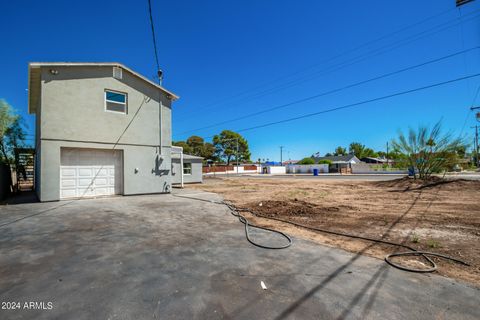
(212, 51)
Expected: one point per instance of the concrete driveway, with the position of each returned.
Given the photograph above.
(164, 257)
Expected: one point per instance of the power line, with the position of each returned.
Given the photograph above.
(353, 61)
(358, 103)
(339, 55)
(159, 72)
(335, 90)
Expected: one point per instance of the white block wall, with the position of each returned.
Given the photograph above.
(307, 168)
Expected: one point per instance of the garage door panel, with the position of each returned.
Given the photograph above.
(85, 192)
(68, 183)
(68, 172)
(100, 182)
(68, 193)
(101, 172)
(90, 172)
(102, 191)
(85, 172)
(84, 182)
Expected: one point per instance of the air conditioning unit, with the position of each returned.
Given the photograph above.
(117, 73)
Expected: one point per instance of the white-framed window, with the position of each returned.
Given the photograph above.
(187, 168)
(115, 101)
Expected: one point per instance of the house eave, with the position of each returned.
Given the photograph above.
(34, 77)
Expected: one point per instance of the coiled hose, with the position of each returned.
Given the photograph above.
(245, 222)
(235, 211)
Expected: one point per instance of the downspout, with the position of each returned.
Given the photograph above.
(160, 125)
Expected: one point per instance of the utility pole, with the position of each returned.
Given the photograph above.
(281, 155)
(475, 143)
(236, 153)
(237, 156)
(476, 136)
(388, 161)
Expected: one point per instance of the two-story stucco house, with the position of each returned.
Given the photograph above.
(101, 129)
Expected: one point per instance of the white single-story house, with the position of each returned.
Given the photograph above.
(340, 163)
(192, 169)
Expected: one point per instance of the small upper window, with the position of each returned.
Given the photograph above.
(187, 168)
(115, 101)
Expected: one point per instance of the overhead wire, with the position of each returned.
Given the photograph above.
(352, 61)
(333, 90)
(334, 57)
(153, 35)
(361, 102)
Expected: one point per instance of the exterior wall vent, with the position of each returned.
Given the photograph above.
(117, 73)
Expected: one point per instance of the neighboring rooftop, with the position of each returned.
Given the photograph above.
(338, 159)
(185, 156)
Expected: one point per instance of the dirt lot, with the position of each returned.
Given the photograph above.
(441, 216)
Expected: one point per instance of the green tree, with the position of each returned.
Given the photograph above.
(184, 145)
(196, 145)
(307, 160)
(360, 151)
(356, 148)
(340, 151)
(12, 134)
(428, 150)
(461, 151)
(367, 152)
(225, 145)
(208, 152)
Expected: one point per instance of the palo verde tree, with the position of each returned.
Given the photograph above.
(428, 150)
(226, 143)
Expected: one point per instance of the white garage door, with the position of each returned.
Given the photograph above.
(90, 172)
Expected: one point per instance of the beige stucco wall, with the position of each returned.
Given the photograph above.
(72, 114)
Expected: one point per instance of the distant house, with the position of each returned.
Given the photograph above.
(287, 162)
(341, 164)
(192, 169)
(349, 158)
(375, 160)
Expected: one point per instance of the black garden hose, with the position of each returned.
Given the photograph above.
(413, 252)
(247, 225)
(424, 254)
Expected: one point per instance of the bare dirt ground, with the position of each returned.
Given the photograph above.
(439, 216)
